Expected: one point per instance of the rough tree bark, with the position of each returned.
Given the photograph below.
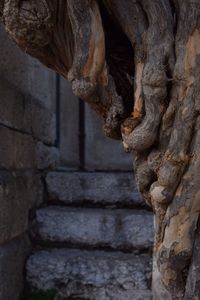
(137, 63)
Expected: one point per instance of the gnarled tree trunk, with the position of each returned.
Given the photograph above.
(137, 63)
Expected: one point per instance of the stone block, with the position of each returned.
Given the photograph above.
(98, 188)
(13, 112)
(18, 193)
(26, 73)
(69, 126)
(26, 114)
(22, 151)
(43, 122)
(95, 275)
(113, 228)
(47, 157)
(17, 150)
(12, 260)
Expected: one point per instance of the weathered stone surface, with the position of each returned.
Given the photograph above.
(43, 122)
(25, 113)
(47, 157)
(26, 73)
(95, 275)
(18, 193)
(118, 229)
(17, 150)
(13, 107)
(97, 188)
(21, 151)
(69, 126)
(12, 260)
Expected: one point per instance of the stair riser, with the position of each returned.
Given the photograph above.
(99, 188)
(117, 229)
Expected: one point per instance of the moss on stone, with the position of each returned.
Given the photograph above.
(39, 295)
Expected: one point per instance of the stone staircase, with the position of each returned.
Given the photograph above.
(93, 238)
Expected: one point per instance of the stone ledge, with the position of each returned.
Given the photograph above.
(103, 188)
(91, 275)
(117, 229)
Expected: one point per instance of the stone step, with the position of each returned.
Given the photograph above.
(96, 188)
(125, 229)
(93, 275)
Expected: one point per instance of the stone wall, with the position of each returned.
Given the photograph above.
(27, 135)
